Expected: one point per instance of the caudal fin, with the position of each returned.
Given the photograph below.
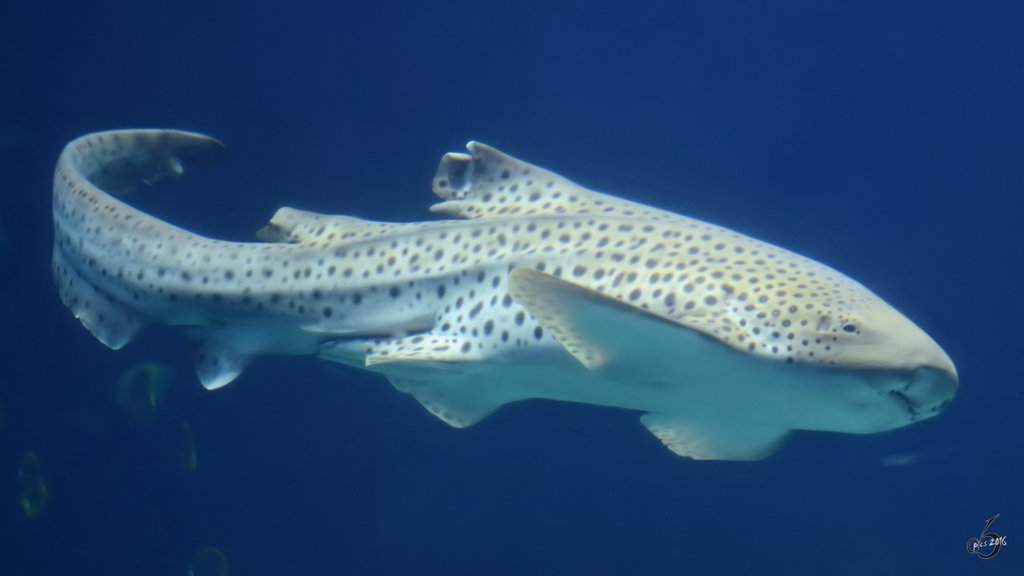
(92, 228)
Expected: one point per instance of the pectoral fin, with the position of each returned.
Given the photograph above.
(724, 439)
(602, 332)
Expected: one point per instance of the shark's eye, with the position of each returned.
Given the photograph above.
(849, 327)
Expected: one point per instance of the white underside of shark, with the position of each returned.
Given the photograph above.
(541, 289)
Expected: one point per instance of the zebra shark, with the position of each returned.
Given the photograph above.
(535, 288)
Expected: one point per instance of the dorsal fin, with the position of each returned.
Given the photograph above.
(300, 226)
(487, 183)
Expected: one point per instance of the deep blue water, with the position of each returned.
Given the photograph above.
(882, 138)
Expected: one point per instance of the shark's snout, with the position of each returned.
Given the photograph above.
(929, 392)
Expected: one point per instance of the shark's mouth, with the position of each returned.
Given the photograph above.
(927, 392)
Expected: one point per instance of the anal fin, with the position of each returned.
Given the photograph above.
(217, 362)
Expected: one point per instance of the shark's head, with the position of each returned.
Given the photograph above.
(753, 296)
(910, 366)
(875, 335)
(822, 318)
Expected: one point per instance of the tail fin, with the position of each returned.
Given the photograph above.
(91, 227)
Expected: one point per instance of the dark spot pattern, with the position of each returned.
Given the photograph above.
(344, 271)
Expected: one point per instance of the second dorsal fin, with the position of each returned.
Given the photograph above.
(300, 226)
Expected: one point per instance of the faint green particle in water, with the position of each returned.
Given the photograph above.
(208, 561)
(188, 458)
(33, 493)
(141, 388)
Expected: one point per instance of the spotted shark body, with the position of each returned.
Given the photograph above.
(539, 288)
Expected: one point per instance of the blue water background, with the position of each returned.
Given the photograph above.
(883, 138)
